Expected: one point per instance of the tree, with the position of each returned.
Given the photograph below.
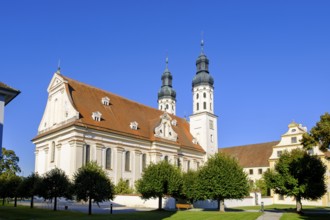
(189, 189)
(159, 180)
(299, 175)
(92, 183)
(319, 134)
(29, 187)
(122, 187)
(54, 184)
(12, 187)
(9, 162)
(222, 178)
(261, 186)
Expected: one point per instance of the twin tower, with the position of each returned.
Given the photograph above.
(203, 122)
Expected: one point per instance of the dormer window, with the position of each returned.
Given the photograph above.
(105, 101)
(96, 116)
(174, 122)
(134, 125)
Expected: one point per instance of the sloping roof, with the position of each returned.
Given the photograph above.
(253, 155)
(116, 117)
(8, 92)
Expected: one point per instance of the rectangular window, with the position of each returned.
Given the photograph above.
(293, 140)
(251, 171)
(52, 157)
(280, 197)
(144, 161)
(108, 159)
(211, 124)
(188, 165)
(87, 153)
(178, 162)
(279, 153)
(260, 171)
(127, 161)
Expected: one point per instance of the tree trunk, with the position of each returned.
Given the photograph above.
(160, 202)
(31, 204)
(15, 201)
(221, 205)
(55, 203)
(298, 204)
(90, 206)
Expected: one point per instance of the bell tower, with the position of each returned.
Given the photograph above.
(203, 122)
(166, 94)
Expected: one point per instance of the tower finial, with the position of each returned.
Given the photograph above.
(202, 42)
(166, 60)
(59, 67)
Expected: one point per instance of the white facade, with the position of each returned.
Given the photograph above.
(168, 105)
(65, 141)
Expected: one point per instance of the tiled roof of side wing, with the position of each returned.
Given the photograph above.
(253, 155)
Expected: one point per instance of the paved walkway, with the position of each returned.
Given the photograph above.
(270, 216)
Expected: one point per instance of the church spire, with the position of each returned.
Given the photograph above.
(166, 94)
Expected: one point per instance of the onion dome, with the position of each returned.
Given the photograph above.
(166, 91)
(202, 76)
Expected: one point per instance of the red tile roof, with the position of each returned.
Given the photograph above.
(116, 117)
(253, 155)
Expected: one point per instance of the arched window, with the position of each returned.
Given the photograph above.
(166, 158)
(197, 96)
(144, 161)
(87, 153)
(127, 161)
(108, 159)
(166, 106)
(204, 94)
(161, 107)
(204, 105)
(211, 106)
(197, 107)
(52, 153)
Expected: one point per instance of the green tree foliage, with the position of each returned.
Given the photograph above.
(319, 134)
(299, 175)
(92, 183)
(13, 182)
(122, 187)
(29, 187)
(222, 178)
(159, 180)
(189, 187)
(9, 162)
(54, 184)
(261, 186)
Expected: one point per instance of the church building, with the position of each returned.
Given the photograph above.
(82, 123)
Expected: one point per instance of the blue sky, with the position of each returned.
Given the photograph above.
(270, 59)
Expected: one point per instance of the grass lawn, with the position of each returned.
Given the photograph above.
(310, 212)
(22, 212)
